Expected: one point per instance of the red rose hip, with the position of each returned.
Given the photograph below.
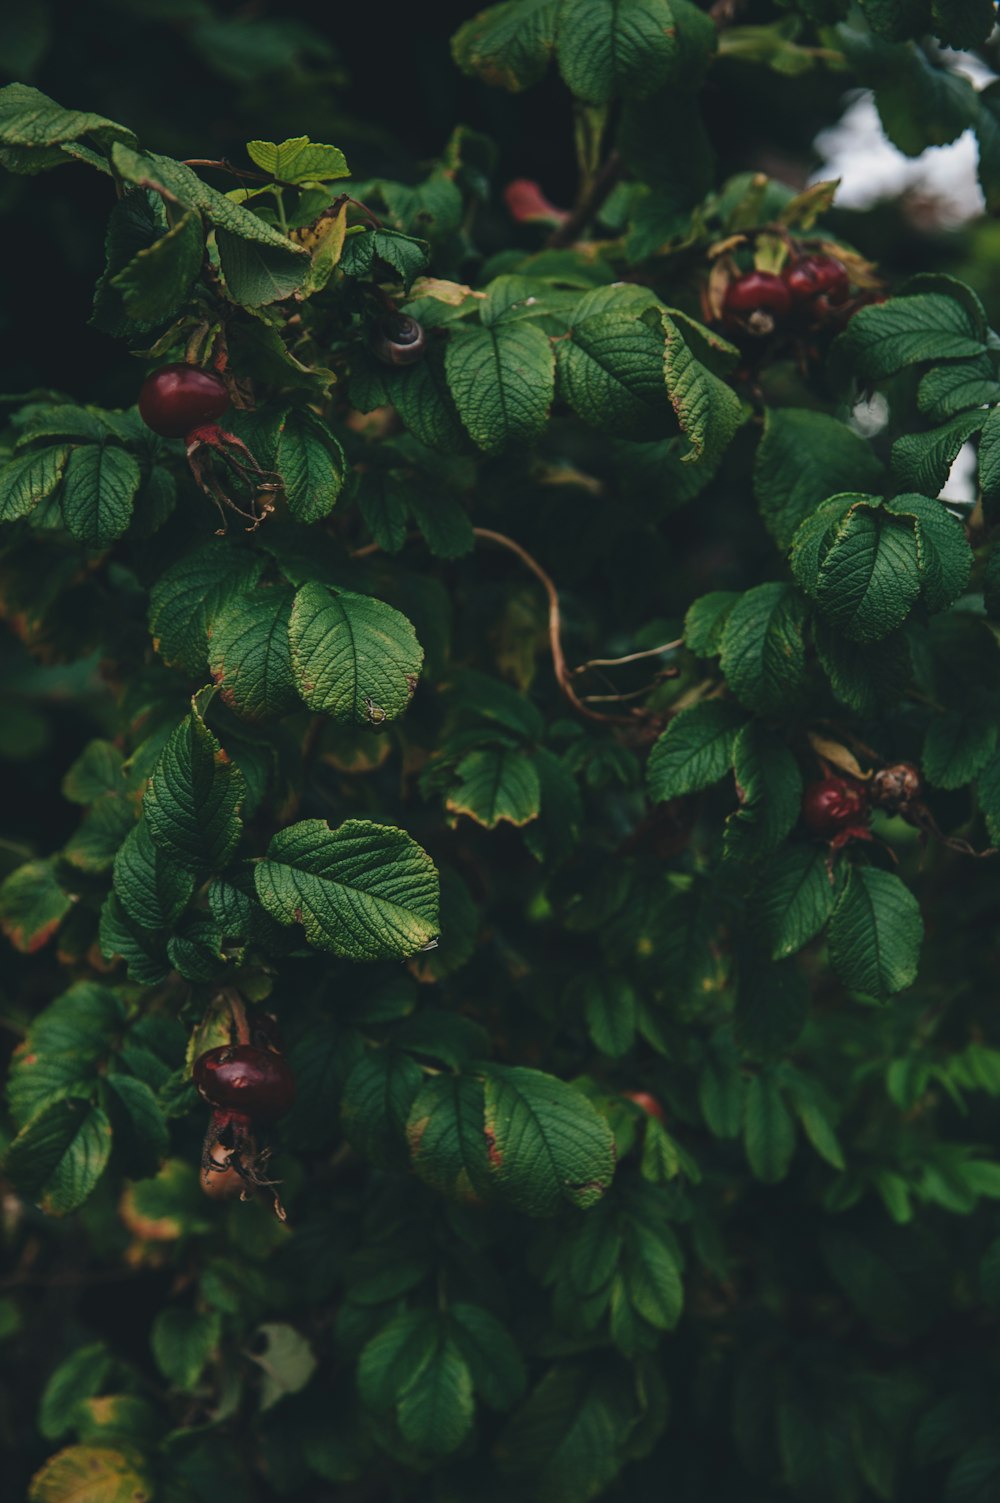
(816, 276)
(177, 398)
(833, 804)
(647, 1103)
(758, 290)
(245, 1079)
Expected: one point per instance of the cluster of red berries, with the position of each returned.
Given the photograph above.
(242, 1083)
(760, 300)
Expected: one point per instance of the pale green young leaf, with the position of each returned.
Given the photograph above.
(299, 160)
(91, 1474)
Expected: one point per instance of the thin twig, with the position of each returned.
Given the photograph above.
(631, 657)
(587, 210)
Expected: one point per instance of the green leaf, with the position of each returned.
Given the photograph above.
(192, 802)
(33, 128)
(721, 1090)
(364, 891)
(287, 1361)
(446, 1134)
(769, 789)
(502, 381)
(957, 746)
(32, 905)
(611, 373)
(497, 783)
(869, 574)
(299, 160)
(763, 653)
(795, 896)
(257, 274)
(60, 1154)
(706, 620)
(653, 1279)
(508, 44)
(182, 1342)
(435, 1411)
(768, 1130)
(98, 490)
(803, 458)
(869, 678)
(139, 1124)
(353, 657)
(90, 1474)
(610, 1007)
(609, 48)
(423, 399)
(875, 933)
(379, 1092)
(94, 844)
(30, 479)
(365, 254)
(695, 750)
(923, 461)
(707, 408)
(547, 1145)
(311, 463)
(142, 950)
(97, 770)
(887, 337)
(490, 1354)
(250, 655)
(152, 889)
(155, 283)
(989, 464)
(950, 389)
(771, 1007)
(186, 598)
(562, 1443)
(920, 104)
(60, 1055)
(83, 1374)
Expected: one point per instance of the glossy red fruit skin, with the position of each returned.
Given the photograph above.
(177, 398)
(833, 804)
(246, 1080)
(816, 276)
(756, 290)
(647, 1103)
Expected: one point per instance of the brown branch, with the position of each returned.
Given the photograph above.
(600, 189)
(563, 673)
(630, 657)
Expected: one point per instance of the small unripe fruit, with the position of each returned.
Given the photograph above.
(399, 340)
(177, 398)
(833, 804)
(246, 1080)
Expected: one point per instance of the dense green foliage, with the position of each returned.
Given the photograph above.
(454, 705)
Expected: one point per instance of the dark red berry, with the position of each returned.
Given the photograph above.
(177, 398)
(246, 1080)
(646, 1102)
(399, 340)
(816, 276)
(833, 804)
(758, 291)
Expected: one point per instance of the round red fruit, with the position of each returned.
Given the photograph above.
(245, 1079)
(177, 398)
(646, 1102)
(833, 804)
(816, 276)
(758, 290)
